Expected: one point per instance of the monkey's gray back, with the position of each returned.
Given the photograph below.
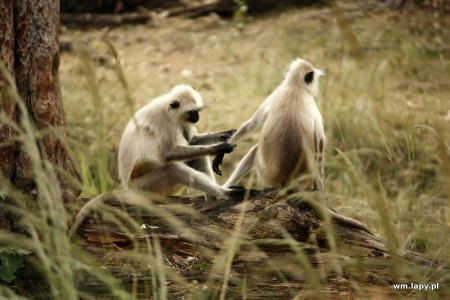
(286, 146)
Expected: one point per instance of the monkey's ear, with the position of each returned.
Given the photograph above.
(309, 77)
(175, 104)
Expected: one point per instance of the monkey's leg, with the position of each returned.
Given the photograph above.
(200, 181)
(244, 166)
(165, 180)
(319, 180)
(162, 181)
(202, 164)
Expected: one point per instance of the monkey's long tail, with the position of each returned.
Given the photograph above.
(88, 207)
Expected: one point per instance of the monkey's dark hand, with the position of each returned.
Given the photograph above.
(224, 148)
(225, 135)
(217, 161)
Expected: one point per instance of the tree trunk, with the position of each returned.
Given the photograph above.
(36, 72)
(8, 107)
(32, 133)
(30, 52)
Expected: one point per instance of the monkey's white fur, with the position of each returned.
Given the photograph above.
(292, 140)
(159, 150)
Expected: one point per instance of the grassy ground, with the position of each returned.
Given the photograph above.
(384, 99)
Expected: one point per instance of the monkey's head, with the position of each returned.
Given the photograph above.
(185, 104)
(303, 74)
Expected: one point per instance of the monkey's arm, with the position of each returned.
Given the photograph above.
(211, 137)
(250, 125)
(190, 152)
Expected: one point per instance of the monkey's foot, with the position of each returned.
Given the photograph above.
(236, 192)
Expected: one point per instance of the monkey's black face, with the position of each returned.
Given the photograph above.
(309, 77)
(193, 116)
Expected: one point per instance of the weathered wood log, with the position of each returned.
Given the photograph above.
(191, 9)
(194, 10)
(99, 20)
(220, 7)
(282, 246)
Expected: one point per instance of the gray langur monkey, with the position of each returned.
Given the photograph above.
(292, 139)
(160, 149)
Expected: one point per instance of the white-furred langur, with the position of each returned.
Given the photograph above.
(160, 150)
(292, 140)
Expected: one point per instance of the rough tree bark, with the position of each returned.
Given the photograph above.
(29, 55)
(29, 50)
(7, 105)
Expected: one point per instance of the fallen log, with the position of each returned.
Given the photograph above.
(100, 20)
(189, 9)
(276, 246)
(223, 8)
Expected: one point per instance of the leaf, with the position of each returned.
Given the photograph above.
(9, 263)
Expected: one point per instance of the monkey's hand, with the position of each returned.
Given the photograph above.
(217, 161)
(223, 148)
(225, 135)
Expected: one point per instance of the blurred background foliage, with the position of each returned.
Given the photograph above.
(118, 6)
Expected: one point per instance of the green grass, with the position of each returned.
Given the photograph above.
(386, 112)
